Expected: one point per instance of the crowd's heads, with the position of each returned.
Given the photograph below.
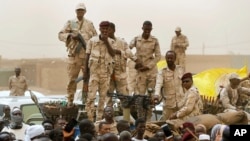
(125, 136)
(109, 137)
(5, 136)
(204, 137)
(56, 134)
(87, 126)
(48, 125)
(123, 125)
(104, 127)
(33, 132)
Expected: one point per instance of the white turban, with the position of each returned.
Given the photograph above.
(33, 131)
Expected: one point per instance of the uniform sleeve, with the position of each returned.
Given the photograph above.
(159, 83)
(126, 52)
(189, 105)
(64, 33)
(186, 43)
(89, 47)
(245, 90)
(225, 100)
(157, 55)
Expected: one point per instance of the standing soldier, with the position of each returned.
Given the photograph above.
(179, 45)
(17, 83)
(76, 34)
(99, 67)
(170, 85)
(146, 57)
(118, 80)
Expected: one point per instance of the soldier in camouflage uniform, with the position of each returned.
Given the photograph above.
(169, 86)
(179, 45)
(76, 34)
(17, 83)
(146, 57)
(230, 94)
(99, 67)
(192, 101)
(118, 80)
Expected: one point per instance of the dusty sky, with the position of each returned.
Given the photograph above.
(29, 28)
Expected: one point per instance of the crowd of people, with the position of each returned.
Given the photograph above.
(103, 60)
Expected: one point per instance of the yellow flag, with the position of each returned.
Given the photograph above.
(208, 82)
(161, 64)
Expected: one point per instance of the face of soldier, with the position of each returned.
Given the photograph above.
(17, 71)
(146, 30)
(111, 32)
(178, 33)
(80, 12)
(235, 82)
(187, 83)
(170, 58)
(104, 31)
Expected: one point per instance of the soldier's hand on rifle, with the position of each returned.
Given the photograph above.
(156, 99)
(73, 36)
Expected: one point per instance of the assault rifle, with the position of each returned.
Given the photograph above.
(136, 99)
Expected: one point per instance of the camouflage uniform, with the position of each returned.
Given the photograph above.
(148, 52)
(75, 58)
(229, 97)
(192, 104)
(17, 85)
(131, 72)
(100, 68)
(179, 45)
(170, 85)
(118, 80)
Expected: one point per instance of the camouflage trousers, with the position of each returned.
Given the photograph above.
(180, 59)
(75, 65)
(120, 86)
(98, 83)
(167, 112)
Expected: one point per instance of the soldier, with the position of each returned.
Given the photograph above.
(118, 80)
(192, 102)
(146, 57)
(98, 67)
(179, 45)
(170, 85)
(17, 83)
(230, 94)
(76, 34)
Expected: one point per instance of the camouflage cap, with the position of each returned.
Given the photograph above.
(233, 76)
(178, 29)
(80, 6)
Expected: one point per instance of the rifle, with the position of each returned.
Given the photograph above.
(82, 44)
(136, 99)
(35, 100)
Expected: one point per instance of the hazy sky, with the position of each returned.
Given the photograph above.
(29, 28)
